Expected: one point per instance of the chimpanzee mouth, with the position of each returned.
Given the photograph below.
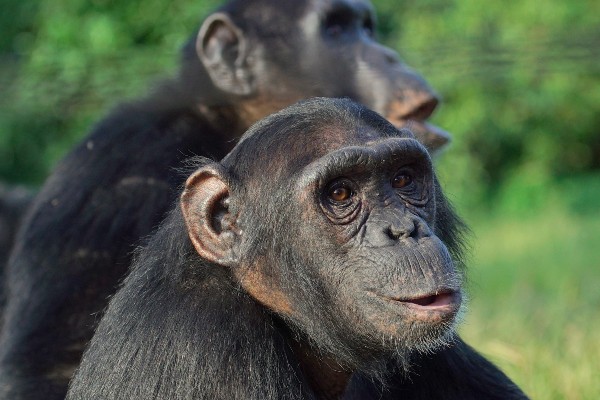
(446, 300)
(432, 136)
(437, 307)
(432, 301)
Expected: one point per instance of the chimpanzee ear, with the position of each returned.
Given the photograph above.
(210, 224)
(222, 48)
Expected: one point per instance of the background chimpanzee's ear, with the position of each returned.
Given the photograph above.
(222, 48)
(205, 207)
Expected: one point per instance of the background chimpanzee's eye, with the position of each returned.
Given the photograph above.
(334, 30)
(337, 23)
(402, 180)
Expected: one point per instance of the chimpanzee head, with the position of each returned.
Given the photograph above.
(333, 219)
(263, 55)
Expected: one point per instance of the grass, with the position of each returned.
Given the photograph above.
(535, 299)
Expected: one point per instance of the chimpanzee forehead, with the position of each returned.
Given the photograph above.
(302, 148)
(287, 141)
(337, 136)
(371, 154)
(288, 154)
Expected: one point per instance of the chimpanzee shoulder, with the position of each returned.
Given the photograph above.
(136, 151)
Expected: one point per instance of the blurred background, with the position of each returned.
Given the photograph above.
(521, 88)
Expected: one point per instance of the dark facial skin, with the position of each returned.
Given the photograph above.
(381, 81)
(362, 210)
(375, 205)
(370, 204)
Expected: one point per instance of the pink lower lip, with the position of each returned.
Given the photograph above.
(431, 302)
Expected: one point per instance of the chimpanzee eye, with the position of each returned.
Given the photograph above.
(402, 180)
(334, 30)
(340, 193)
(340, 200)
(337, 23)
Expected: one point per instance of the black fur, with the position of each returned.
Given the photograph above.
(184, 328)
(62, 273)
(14, 200)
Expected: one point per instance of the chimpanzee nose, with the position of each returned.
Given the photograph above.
(402, 230)
(411, 227)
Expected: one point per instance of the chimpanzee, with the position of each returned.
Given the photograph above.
(13, 203)
(318, 259)
(249, 59)
(14, 200)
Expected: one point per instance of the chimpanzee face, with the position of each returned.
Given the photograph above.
(302, 49)
(364, 243)
(331, 225)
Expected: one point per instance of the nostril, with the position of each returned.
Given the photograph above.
(390, 56)
(392, 59)
(392, 232)
(402, 231)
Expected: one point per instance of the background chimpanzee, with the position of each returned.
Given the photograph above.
(251, 58)
(13, 202)
(320, 257)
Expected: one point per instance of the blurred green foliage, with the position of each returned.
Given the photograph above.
(535, 296)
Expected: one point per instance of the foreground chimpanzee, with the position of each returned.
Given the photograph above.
(318, 259)
(250, 59)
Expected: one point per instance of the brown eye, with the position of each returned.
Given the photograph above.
(340, 200)
(401, 181)
(340, 193)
